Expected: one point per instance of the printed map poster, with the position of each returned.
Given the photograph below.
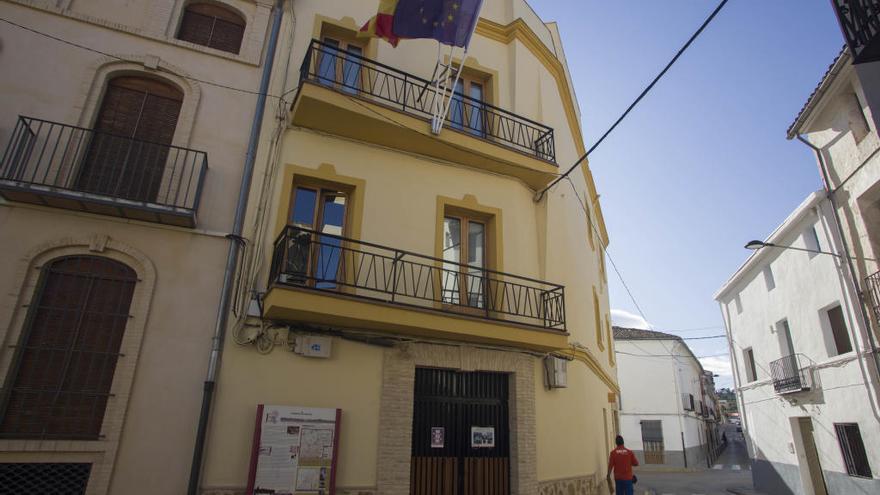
(294, 451)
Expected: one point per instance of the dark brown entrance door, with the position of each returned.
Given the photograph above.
(460, 436)
(130, 143)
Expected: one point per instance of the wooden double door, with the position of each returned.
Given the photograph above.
(460, 436)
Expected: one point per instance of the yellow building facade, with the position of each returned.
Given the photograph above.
(420, 260)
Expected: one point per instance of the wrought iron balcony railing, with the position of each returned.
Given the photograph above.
(872, 293)
(860, 23)
(65, 165)
(788, 376)
(352, 74)
(324, 262)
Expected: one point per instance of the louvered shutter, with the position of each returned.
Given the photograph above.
(69, 348)
(128, 151)
(212, 26)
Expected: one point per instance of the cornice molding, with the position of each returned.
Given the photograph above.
(519, 30)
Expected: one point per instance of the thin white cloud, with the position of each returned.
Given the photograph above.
(621, 318)
(720, 365)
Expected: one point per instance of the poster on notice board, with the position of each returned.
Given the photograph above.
(294, 451)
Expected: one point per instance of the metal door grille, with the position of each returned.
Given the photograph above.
(44, 478)
(457, 401)
(66, 357)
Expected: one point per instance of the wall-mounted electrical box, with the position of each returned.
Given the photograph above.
(312, 346)
(555, 372)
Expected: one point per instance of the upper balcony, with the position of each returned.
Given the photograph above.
(65, 166)
(788, 376)
(327, 279)
(343, 93)
(860, 23)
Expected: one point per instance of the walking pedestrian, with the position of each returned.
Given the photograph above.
(621, 462)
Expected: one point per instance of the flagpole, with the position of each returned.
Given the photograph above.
(445, 108)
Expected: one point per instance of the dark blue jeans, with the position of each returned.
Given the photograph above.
(623, 487)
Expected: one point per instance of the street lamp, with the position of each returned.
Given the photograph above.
(756, 245)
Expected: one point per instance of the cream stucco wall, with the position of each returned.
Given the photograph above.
(547, 240)
(149, 428)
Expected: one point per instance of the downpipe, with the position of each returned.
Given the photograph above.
(233, 253)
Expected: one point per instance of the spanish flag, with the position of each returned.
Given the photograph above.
(380, 25)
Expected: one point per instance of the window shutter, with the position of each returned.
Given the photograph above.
(61, 378)
(212, 26)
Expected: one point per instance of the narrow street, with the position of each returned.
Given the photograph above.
(731, 470)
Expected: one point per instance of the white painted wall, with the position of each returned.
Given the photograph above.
(653, 375)
(806, 285)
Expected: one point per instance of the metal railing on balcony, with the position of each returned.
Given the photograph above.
(309, 259)
(788, 376)
(353, 74)
(872, 293)
(76, 163)
(860, 23)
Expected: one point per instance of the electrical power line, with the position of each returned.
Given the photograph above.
(110, 55)
(638, 99)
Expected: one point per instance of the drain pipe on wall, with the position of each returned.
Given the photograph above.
(846, 253)
(233, 253)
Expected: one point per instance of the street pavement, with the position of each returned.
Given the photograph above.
(730, 474)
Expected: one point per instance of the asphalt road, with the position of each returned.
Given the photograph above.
(731, 470)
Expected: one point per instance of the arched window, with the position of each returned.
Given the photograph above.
(66, 357)
(127, 156)
(213, 26)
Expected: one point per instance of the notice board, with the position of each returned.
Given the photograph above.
(294, 451)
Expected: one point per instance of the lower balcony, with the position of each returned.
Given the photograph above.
(64, 166)
(788, 375)
(326, 279)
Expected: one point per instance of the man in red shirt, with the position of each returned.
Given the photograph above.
(622, 461)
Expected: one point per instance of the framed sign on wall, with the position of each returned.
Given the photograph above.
(294, 451)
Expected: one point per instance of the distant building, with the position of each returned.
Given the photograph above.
(801, 358)
(668, 410)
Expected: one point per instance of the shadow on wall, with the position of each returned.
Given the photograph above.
(775, 478)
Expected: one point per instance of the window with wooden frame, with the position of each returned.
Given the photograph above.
(212, 25)
(608, 335)
(853, 449)
(60, 379)
(338, 61)
(467, 110)
(317, 215)
(465, 246)
(598, 315)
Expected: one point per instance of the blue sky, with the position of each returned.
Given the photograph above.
(702, 165)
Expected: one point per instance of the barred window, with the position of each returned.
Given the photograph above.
(853, 449)
(212, 26)
(66, 357)
(48, 478)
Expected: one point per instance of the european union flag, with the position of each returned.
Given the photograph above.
(450, 22)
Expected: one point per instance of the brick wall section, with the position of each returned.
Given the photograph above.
(396, 409)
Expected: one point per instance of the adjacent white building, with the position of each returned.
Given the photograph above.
(802, 364)
(668, 415)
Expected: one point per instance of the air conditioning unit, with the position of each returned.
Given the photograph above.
(555, 372)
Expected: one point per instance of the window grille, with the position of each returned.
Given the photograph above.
(66, 357)
(44, 478)
(853, 449)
